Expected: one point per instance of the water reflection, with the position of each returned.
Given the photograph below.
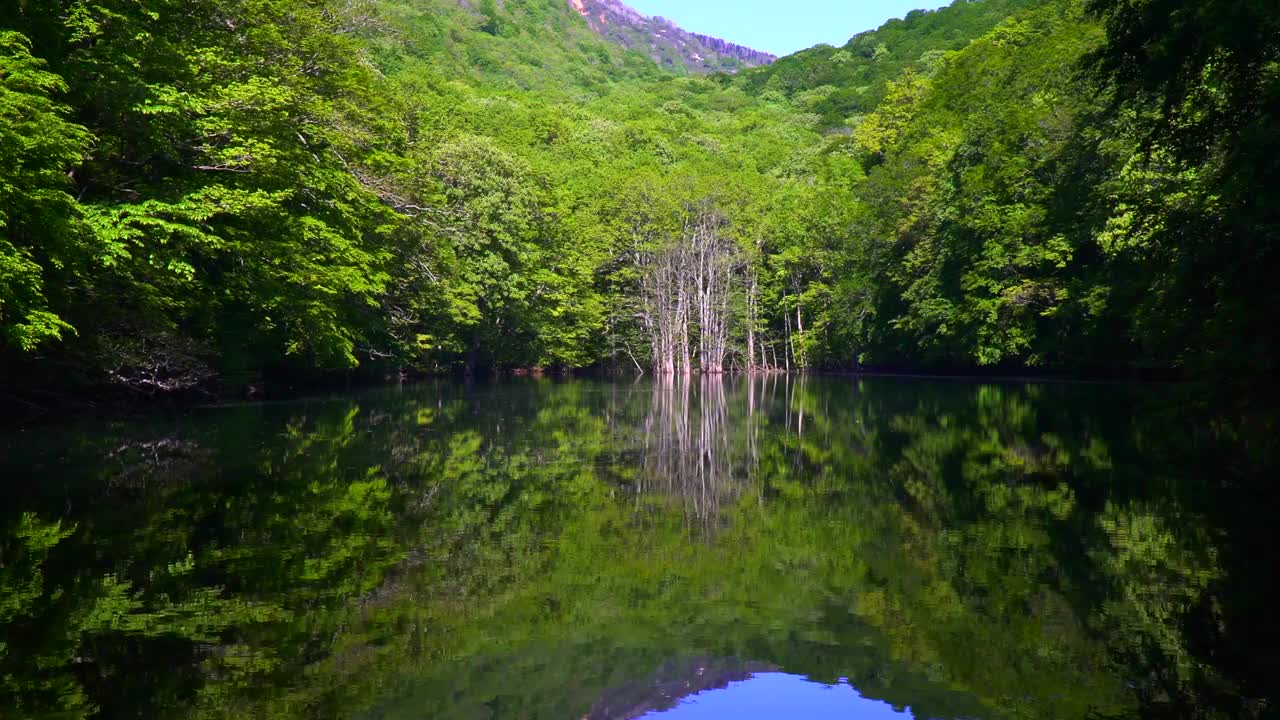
(687, 449)
(770, 696)
(610, 550)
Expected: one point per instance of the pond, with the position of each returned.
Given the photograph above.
(766, 547)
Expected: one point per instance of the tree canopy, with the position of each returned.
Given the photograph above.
(204, 196)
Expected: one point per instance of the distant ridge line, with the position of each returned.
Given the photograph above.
(666, 42)
(756, 57)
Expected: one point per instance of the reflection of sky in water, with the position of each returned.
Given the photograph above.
(776, 695)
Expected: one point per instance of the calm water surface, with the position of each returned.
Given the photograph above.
(772, 548)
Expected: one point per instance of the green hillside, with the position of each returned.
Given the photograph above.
(838, 83)
(538, 45)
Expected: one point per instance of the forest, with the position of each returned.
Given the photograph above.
(199, 197)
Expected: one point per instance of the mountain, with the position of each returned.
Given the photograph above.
(541, 48)
(851, 80)
(664, 41)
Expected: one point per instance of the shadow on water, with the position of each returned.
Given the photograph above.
(605, 550)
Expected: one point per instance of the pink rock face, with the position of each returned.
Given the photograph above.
(665, 42)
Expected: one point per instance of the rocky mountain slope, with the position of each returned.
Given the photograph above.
(664, 41)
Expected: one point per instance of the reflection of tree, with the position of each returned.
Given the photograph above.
(1000, 551)
(33, 676)
(687, 451)
(207, 575)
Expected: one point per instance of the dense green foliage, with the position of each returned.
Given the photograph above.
(531, 550)
(842, 83)
(1201, 85)
(203, 194)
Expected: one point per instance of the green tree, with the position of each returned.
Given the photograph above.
(39, 230)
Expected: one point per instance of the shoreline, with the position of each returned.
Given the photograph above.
(24, 408)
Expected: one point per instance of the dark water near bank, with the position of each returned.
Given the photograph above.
(722, 549)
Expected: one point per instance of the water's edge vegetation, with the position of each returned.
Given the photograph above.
(202, 196)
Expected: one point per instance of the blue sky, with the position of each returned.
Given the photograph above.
(781, 26)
